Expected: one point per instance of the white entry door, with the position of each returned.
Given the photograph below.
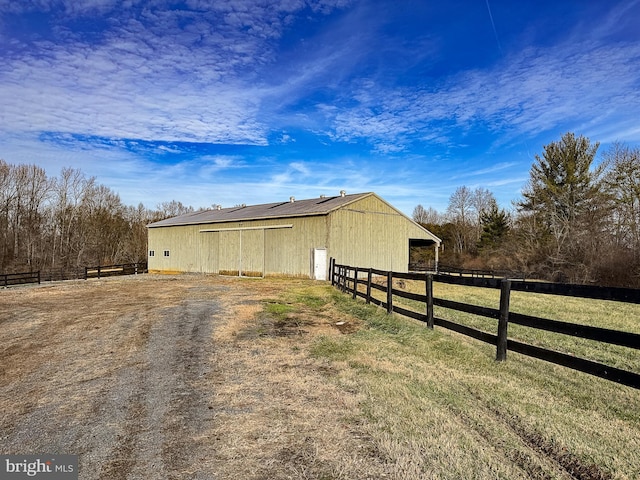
(320, 263)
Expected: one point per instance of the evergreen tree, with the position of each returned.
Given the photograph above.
(495, 226)
(566, 204)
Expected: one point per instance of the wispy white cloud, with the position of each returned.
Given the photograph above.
(80, 91)
(532, 92)
(489, 170)
(155, 74)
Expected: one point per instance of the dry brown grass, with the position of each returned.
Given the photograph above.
(278, 416)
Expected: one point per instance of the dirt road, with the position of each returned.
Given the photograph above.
(156, 377)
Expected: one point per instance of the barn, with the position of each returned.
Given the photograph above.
(292, 238)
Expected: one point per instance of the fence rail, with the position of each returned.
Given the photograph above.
(113, 270)
(60, 274)
(348, 279)
(444, 269)
(9, 279)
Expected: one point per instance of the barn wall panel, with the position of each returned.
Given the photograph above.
(208, 250)
(370, 233)
(288, 251)
(273, 251)
(182, 244)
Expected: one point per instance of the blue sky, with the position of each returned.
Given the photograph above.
(254, 101)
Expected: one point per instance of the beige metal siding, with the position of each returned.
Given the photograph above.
(228, 252)
(182, 243)
(370, 233)
(209, 252)
(289, 251)
(367, 233)
(236, 246)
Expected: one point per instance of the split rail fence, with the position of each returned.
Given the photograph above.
(359, 283)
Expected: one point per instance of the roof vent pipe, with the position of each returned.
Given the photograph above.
(218, 207)
(323, 196)
(292, 199)
(343, 193)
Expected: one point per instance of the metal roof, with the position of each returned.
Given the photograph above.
(297, 208)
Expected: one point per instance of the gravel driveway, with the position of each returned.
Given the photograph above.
(126, 402)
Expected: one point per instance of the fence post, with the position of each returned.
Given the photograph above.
(503, 322)
(389, 291)
(345, 285)
(332, 264)
(98, 271)
(345, 272)
(38, 277)
(355, 283)
(86, 272)
(429, 288)
(369, 285)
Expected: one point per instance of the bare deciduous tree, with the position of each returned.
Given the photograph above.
(69, 221)
(623, 185)
(429, 216)
(459, 213)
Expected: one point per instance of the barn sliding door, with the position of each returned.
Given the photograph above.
(229, 252)
(252, 253)
(241, 250)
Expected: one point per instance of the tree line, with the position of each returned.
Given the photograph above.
(577, 221)
(69, 221)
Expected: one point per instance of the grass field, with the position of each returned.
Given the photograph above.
(439, 406)
(598, 313)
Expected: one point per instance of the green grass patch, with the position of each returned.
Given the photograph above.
(279, 310)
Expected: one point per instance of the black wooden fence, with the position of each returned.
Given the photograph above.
(349, 278)
(444, 269)
(11, 279)
(60, 274)
(112, 270)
